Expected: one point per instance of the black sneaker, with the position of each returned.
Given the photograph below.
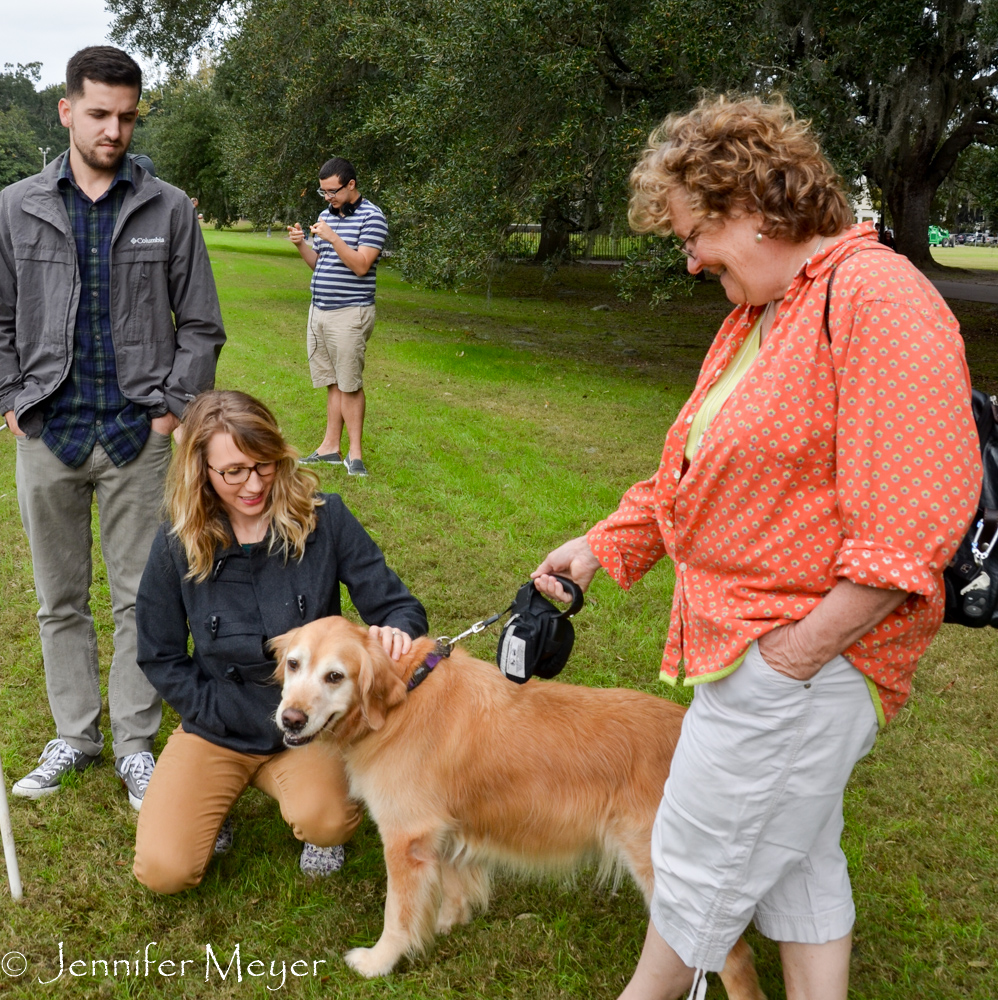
(135, 770)
(355, 467)
(58, 758)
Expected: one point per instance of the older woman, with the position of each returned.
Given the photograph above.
(819, 479)
(251, 550)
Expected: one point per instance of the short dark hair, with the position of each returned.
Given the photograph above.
(101, 64)
(339, 168)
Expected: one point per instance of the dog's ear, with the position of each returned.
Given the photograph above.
(380, 687)
(279, 647)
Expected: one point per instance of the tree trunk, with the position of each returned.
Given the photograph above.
(554, 234)
(909, 195)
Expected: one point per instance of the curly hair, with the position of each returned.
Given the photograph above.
(739, 155)
(193, 506)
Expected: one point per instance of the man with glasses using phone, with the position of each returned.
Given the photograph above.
(347, 240)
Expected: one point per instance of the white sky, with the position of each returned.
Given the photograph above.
(50, 31)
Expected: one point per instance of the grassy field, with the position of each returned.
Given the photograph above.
(979, 258)
(496, 429)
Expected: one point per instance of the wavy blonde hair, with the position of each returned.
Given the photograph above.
(740, 155)
(193, 506)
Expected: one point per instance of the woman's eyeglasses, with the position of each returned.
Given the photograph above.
(685, 248)
(240, 473)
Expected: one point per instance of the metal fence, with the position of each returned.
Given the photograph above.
(524, 240)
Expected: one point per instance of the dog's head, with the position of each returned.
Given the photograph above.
(336, 679)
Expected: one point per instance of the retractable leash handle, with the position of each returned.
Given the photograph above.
(538, 638)
(578, 598)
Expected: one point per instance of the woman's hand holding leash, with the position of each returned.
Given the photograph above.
(575, 560)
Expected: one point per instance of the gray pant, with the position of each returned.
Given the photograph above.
(55, 503)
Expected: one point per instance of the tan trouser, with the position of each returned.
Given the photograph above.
(195, 784)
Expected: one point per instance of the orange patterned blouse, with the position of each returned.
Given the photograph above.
(854, 460)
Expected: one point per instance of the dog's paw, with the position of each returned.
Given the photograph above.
(453, 913)
(367, 962)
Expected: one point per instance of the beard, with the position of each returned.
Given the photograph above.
(101, 156)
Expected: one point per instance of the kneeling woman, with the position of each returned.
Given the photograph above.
(250, 551)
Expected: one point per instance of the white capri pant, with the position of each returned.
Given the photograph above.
(751, 819)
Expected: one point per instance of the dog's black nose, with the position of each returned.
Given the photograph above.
(293, 720)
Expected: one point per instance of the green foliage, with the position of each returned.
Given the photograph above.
(184, 133)
(972, 187)
(461, 118)
(169, 29)
(465, 117)
(19, 156)
(29, 120)
(656, 269)
(292, 101)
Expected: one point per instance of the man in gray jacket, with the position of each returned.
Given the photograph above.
(109, 325)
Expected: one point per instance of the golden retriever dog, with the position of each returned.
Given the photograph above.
(468, 772)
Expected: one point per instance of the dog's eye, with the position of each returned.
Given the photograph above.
(334, 677)
(291, 665)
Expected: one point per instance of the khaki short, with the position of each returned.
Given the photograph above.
(751, 820)
(336, 342)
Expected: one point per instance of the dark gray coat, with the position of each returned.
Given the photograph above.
(165, 321)
(223, 692)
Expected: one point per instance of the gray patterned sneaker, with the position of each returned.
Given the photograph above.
(355, 467)
(223, 842)
(58, 758)
(321, 860)
(135, 770)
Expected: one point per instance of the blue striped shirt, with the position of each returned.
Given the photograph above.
(334, 285)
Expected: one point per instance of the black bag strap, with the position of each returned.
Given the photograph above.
(828, 293)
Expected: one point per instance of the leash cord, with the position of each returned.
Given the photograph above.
(475, 629)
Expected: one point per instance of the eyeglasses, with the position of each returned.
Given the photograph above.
(686, 251)
(241, 473)
(329, 195)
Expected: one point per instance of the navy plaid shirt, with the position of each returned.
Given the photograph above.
(89, 406)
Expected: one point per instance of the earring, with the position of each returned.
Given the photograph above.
(758, 237)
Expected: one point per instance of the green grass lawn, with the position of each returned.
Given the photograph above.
(982, 258)
(496, 429)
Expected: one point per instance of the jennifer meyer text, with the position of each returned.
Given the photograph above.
(216, 964)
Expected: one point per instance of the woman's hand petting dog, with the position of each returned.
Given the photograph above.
(396, 643)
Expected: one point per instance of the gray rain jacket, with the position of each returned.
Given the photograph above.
(165, 321)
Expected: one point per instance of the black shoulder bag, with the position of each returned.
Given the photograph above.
(972, 575)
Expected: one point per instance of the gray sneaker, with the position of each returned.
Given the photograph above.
(355, 467)
(135, 770)
(223, 842)
(321, 860)
(58, 758)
